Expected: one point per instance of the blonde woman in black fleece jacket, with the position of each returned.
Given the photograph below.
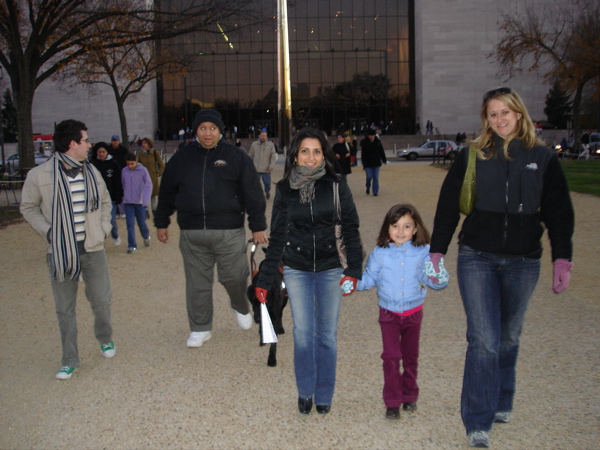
(520, 188)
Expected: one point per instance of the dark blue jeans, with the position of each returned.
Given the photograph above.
(266, 179)
(372, 176)
(495, 292)
(135, 212)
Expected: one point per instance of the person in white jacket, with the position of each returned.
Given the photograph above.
(66, 202)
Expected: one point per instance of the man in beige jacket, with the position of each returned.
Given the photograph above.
(66, 202)
(263, 155)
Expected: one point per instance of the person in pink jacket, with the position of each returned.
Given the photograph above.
(137, 189)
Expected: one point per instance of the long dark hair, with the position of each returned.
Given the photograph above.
(421, 237)
(313, 133)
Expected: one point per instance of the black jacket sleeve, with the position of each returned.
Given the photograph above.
(350, 225)
(447, 214)
(557, 211)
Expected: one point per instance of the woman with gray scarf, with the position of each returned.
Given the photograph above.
(303, 238)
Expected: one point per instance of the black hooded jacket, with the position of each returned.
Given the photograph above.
(515, 199)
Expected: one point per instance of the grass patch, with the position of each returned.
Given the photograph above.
(583, 176)
(9, 215)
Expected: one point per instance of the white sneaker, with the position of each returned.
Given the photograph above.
(117, 242)
(197, 338)
(479, 439)
(147, 241)
(244, 320)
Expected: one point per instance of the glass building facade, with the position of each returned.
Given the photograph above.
(351, 65)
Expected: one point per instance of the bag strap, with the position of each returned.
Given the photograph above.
(472, 157)
(336, 200)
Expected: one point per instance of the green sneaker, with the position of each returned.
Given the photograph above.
(108, 350)
(65, 373)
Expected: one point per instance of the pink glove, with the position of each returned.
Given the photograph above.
(562, 275)
(435, 260)
(261, 294)
(348, 285)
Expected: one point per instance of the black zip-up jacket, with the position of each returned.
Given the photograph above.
(211, 189)
(372, 153)
(111, 174)
(514, 200)
(303, 234)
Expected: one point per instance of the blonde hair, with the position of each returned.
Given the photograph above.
(524, 130)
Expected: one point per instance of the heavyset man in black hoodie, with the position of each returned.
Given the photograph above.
(212, 184)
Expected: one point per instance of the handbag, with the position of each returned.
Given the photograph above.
(467, 191)
(339, 239)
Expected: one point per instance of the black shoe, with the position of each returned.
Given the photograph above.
(392, 413)
(323, 409)
(409, 406)
(304, 405)
(268, 196)
(368, 191)
(375, 195)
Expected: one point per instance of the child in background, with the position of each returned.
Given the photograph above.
(137, 189)
(398, 266)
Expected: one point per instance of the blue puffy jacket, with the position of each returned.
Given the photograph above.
(399, 274)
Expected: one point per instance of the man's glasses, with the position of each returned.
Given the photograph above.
(85, 140)
(500, 90)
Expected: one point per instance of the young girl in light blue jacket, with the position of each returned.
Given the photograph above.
(401, 269)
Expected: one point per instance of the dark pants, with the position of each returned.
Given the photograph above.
(400, 335)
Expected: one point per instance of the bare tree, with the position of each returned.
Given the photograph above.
(558, 39)
(39, 38)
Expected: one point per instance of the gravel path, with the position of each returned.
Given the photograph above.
(156, 393)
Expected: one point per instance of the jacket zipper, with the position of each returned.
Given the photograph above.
(314, 238)
(203, 189)
(504, 233)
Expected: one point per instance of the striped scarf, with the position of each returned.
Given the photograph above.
(65, 254)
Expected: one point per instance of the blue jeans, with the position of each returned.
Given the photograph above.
(495, 291)
(372, 175)
(135, 212)
(113, 220)
(315, 298)
(266, 179)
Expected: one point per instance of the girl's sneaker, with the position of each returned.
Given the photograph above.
(392, 413)
(409, 406)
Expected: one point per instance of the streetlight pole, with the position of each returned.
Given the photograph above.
(2, 128)
(284, 101)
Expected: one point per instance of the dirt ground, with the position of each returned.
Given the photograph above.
(156, 393)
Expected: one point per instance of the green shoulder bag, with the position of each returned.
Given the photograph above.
(467, 192)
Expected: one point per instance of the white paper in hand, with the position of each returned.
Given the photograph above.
(268, 333)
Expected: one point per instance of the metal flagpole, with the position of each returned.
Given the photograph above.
(284, 102)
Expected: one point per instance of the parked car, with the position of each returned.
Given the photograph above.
(594, 145)
(446, 149)
(13, 163)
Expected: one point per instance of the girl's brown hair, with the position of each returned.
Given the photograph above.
(421, 237)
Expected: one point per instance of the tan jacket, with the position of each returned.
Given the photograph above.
(155, 166)
(263, 155)
(36, 207)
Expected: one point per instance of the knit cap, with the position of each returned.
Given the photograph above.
(208, 115)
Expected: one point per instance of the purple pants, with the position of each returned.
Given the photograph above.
(400, 337)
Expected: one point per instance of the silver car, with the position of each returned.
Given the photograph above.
(13, 163)
(442, 148)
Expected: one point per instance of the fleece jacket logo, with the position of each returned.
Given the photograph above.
(531, 166)
(220, 162)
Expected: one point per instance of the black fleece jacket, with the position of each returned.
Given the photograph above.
(514, 200)
(303, 234)
(211, 189)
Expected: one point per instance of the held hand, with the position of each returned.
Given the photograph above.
(162, 234)
(562, 274)
(260, 237)
(348, 285)
(434, 280)
(261, 294)
(435, 260)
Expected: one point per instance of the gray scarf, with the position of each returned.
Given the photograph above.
(303, 178)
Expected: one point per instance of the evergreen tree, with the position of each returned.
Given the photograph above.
(9, 117)
(558, 107)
